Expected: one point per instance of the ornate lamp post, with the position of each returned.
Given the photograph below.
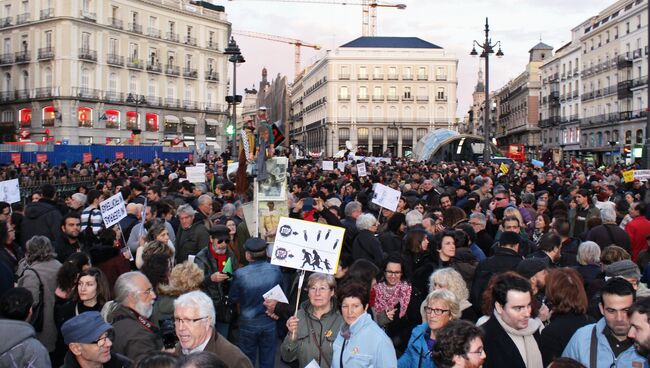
(235, 58)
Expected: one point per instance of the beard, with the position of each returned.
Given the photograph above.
(144, 309)
(642, 347)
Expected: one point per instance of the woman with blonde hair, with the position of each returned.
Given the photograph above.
(450, 279)
(185, 277)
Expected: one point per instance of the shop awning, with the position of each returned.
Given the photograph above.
(211, 122)
(172, 119)
(189, 120)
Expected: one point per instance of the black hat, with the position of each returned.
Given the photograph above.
(219, 231)
(255, 245)
(509, 238)
(529, 267)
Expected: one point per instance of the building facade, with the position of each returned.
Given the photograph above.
(113, 71)
(382, 94)
(475, 120)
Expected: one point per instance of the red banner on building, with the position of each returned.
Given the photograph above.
(88, 157)
(41, 157)
(119, 155)
(15, 158)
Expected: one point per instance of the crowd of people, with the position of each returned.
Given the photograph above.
(539, 267)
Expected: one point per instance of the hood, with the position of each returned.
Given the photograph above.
(37, 209)
(101, 253)
(20, 331)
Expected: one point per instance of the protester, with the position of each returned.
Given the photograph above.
(459, 345)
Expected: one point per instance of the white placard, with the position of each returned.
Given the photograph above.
(312, 364)
(361, 169)
(308, 246)
(113, 210)
(276, 293)
(341, 166)
(195, 174)
(642, 175)
(386, 197)
(10, 191)
(328, 165)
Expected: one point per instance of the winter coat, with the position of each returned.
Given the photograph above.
(206, 261)
(557, 334)
(191, 241)
(504, 259)
(41, 218)
(638, 229)
(19, 346)
(500, 349)
(391, 242)
(136, 341)
(578, 218)
(367, 346)
(601, 235)
(323, 330)
(367, 246)
(225, 350)
(47, 272)
(417, 354)
(110, 260)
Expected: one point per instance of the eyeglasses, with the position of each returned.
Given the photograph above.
(393, 273)
(147, 292)
(101, 341)
(435, 311)
(319, 290)
(479, 352)
(500, 198)
(221, 240)
(187, 321)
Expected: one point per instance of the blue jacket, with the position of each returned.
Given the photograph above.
(249, 284)
(417, 354)
(579, 348)
(368, 346)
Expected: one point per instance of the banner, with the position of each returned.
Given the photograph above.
(41, 157)
(87, 157)
(15, 158)
(628, 176)
(113, 210)
(361, 169)
(278, 137)
(642, 175)
(195, 174)
(504, 168)
(328, 165)
(119, 155)
(274, 187)
(537, 163)
(386, 197)
(10, 191)
(308, 246)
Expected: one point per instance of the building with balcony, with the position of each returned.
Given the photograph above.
(382, 94)
(85, 72)
(518, 105)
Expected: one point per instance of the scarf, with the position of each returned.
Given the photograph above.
(525, 341)
(387, 297)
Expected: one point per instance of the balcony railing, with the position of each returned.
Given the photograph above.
(7, 96)
(172, 70)
(43, 92)
(441, 77)
(211, 76)
(23, 56)
(172, 102)
(134, 63)
(86, 15)
(45, 53)
(213, 46)
(344, 97)
(190, 40)
(154, 101)
(209, 106)
(115, 23)
(392, 98)
(171, 128)
(393, 76)
(114, 59)
(441, 98)
(153, 32)
(422, 98)
(189, 104)
(344, 76)
(190, 73)
(87, 54)
(407, 77)
(378, 98)
(423, 77)
(136, 28)
(23, 94)
(47, 13)
(154, 67)
(7, 58)
(112, 96)
(378, 77)
(362, 77)
(88, 92)
(22, 18)
(363, 98)
(407, 98)
(169, 36)
(6, 22)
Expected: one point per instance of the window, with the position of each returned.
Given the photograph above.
(85, 78)
(48, 39)
(153, 55)
(376, 92)
(407, 73)
(151, 88)
(422, 72)
(112, 82)
(7, 85)
(377, 72)
(188, 92)
(113, 46)
(363, 92)
(133, 50)
(171, 90)
(133, 84)
(8, 10)
(172, 27)
(440, 94)
(7, 46)
(407, 92)
(189, 32)
(211, 39)
(170, 58)
(47, 77)
(392, 91)
(363, 72)
(392, 72)
(134, 18)
(441, 73)
(344, 92)
(153, 21)
(188, 61)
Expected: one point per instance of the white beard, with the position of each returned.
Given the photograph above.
(144, 309)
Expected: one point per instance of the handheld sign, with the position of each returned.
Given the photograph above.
(386, 197)
(195, 174)
(113, 210)
(306, 245)
(340, 166)
(9, 191)
(628, 176)
(641, 175)
(328, 165)
(361, 169)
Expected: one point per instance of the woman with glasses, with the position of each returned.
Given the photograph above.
(392, 299)
(440, 307)
(311, 333)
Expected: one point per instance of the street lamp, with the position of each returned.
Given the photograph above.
(488, 48)
(235, 58)
(137, 100)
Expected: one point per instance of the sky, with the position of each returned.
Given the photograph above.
(453, 25)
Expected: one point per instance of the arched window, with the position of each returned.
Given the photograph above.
(133, 84)
(639, 136)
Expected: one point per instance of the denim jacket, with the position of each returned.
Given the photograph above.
(249, 284)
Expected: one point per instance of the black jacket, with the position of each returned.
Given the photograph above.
(391, 242)
(367, 246)
(41, 218)
(501, 351)
(504, 259)
(608, 234)
(557, 334)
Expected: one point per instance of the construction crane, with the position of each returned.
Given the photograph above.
(368, 11)
(297, 44)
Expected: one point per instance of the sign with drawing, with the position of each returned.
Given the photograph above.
(386, 197)
(361, 169)
(308, 246)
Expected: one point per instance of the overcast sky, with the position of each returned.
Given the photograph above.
(453, 25)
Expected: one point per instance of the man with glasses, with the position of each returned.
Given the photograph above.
(459, 345)
(89, 340)
(606, 344)
(138, 336)
(194, 318)
(511, 335)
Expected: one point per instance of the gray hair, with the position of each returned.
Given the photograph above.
(588, 253)
(201, 186)
(204, 199)
(333, 202)
(365, 221)
(451, 280)
(199, 300)
(80, 197)
(608, 214)
(321, 277)
(352, 207)
(479, 216)
(186, 209)
(124, 285)
(413, 217)
(446, 296)
(541, 201)
(228, 209)
(39, 249)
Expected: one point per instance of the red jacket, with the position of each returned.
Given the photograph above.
(638, 229)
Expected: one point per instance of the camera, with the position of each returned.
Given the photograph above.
(168, 333)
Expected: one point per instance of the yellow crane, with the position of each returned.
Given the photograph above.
(297, 44)
(368, 11)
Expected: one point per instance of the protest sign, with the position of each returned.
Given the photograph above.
(537, 163)
(113, 210)
(386, 197)
(195, 174)
(628, 176)
(504, 168)
(361, 169)
(328, 165)
(308, 246)
(9, 191)
(642, 175)
(341, 166)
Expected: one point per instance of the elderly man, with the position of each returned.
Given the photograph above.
(138, 336)
(194, 318)
(609, 232)
(89, 340)
(192, 234)
(204, 207)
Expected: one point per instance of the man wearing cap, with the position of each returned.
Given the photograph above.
(256, 329)
(629, 271)
(218, 262)
(194, 317)
(89, 340)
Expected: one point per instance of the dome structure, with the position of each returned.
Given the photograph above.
(449, 145)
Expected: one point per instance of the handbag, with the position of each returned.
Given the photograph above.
(224, 311)
(37, 310)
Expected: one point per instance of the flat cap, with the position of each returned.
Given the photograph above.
(255, 245)
(219, 231)
(85, 328)
(624, 268)
(530, 267)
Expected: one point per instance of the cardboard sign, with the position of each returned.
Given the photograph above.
(15, 158)
(628, 176)
(361, 169)
(113, 210)
(87, 157)
(536, 163)
(504, 168)
(308, 246)
(195, 174)
(9, 191)
(341, 166)
(41, 157)
(642, 175)
(278, 137)
(119, 155)
(386, 197)
(328, 165)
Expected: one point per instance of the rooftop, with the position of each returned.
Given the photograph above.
(392, 42)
